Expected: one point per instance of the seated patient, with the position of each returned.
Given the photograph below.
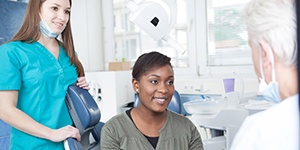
(151, 125)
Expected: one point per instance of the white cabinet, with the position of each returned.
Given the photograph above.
(116, 90)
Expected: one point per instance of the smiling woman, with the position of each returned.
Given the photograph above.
(34, 63)
(151, 125)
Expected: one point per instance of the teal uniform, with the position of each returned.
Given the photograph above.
(42, 82)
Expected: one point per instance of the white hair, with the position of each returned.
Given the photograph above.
(274, 21)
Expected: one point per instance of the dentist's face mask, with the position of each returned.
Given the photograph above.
(269, 91)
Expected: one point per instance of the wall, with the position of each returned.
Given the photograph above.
(214, 84)
(86, 21)
(246, 88)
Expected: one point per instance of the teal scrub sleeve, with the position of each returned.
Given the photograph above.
(10, 75)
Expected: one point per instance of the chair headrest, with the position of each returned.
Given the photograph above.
(85, 107)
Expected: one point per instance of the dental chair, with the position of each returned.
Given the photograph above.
(174, 105)
(4, 135)
(86, 116)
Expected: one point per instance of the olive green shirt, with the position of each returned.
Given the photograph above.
(178, 133)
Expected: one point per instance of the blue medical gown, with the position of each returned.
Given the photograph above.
(42, 82)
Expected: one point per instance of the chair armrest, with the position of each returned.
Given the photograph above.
(72, 144)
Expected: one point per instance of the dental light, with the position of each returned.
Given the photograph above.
(153, 19)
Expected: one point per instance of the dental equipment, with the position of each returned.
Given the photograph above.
(153, 19)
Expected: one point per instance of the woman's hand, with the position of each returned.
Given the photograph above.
(81, 82)
(64, 133)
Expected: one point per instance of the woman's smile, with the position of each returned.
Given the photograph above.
(160, 100)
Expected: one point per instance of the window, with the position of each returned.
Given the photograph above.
(226, 37)
(131, 41)
(211, 31)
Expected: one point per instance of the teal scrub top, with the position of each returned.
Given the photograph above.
(42, 82)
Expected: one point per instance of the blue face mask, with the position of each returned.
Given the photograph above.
(46, 30)
(269, 91)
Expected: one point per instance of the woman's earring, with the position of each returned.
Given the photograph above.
(137, 90)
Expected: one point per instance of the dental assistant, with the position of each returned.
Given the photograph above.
(36, 70)
(272, 31)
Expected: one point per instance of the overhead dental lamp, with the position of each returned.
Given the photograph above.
(154, 19)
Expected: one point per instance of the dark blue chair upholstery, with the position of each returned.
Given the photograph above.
(4, 135)
(86, 116)
(175, 104)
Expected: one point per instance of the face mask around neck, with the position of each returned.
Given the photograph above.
(46, 30)
(269, 91)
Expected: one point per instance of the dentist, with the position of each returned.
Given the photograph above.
(272, 31)
(36, 70)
